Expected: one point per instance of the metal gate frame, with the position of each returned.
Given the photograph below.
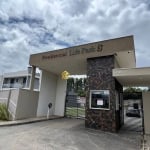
(74, 109)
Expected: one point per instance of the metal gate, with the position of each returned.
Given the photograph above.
(133, 112)
(75, 106)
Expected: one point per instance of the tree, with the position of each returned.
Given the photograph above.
(77, 84)
(132, 90)
(132, 93)
(70, 84)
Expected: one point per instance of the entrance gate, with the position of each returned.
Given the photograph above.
(75, 106)
(133, 112)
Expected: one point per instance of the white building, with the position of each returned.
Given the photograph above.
(19, 79)
(15, 93)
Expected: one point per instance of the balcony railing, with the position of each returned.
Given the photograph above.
(15, 85)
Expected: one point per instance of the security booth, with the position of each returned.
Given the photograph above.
(104, 95)
(101, 62)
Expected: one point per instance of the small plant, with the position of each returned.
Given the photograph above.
(4, 114)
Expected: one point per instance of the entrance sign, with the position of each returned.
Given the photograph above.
(75, 51)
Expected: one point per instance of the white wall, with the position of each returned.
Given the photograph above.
(1, 81)
(146, 110)
(47, 93)
(4, 95)
(60, 97)
(22, 103)
(36, 83)
(27, 104)
(13, 102)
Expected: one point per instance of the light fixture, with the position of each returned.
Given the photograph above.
(65, 75)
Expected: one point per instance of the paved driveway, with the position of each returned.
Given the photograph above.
(64, 134)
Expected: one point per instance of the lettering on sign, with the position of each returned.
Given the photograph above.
(76, 51)
(52, 56)
(100, 47)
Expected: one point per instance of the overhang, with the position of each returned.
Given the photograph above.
(74, 59)
(133, 76)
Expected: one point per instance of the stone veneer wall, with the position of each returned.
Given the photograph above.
(99, 75)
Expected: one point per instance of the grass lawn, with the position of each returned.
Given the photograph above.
(75, 112)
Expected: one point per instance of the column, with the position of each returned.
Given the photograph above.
(100, 99)
(32, 78)
(60, 97)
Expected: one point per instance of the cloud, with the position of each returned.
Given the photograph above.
(39, 25)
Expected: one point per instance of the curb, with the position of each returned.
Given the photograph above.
(27, 122)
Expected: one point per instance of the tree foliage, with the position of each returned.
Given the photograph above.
(132, 93)
(77, 84)
(132, 90)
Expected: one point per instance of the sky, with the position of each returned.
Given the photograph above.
(32, 26)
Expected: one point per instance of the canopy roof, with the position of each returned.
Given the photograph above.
(133, 76)
(73, 59)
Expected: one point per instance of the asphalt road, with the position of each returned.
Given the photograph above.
(65, 134)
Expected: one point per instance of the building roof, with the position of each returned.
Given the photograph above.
(16, 74)
(22, 73)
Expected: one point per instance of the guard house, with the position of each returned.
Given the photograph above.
(109, 65)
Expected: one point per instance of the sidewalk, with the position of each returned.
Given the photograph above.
(26, 121)
(146, 144)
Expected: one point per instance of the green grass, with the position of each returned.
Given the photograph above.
(4, 114)
(75, 112)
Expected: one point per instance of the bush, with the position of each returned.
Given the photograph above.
(4, 114)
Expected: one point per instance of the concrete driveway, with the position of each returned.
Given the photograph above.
(64, 134)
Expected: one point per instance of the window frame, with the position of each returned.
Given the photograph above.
(90, 102)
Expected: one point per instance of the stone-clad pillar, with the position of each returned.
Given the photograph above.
(99, 76)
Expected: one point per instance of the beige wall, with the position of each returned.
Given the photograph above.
(47, 93)
(116, 63)
(146, 109)
(27, 104)
(23, 103)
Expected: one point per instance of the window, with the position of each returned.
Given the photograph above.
(6, 80)
(99, 99)
(24, 80)
(12, 81)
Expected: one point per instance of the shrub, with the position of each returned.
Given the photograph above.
(4, 114)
